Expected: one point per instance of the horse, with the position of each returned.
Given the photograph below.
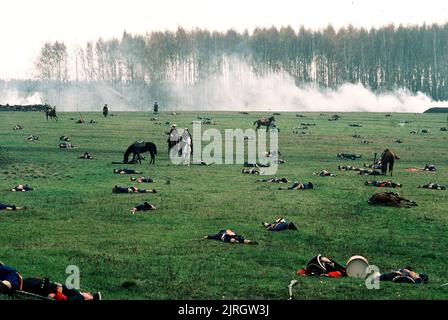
(51, 112)
(139, 147)
(387, 160)
(268, 122)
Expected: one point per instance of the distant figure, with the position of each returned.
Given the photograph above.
(51, 112)
(105, 110)
(186, 147)
(173, 138)
(156, 108)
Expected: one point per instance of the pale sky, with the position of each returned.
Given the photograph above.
(27, 24)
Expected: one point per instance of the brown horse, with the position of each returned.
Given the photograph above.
(51, 112)
(387, 160)
(268, 122)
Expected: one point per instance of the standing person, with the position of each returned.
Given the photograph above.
(173, 138)
(186, 146)
(156, 108)
(105, 110)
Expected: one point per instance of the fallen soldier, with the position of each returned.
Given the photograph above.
(369, 172)
(250, 171)
(390, 199)
(273, 180)
(18, 127)
(431, 185)
(383, 184)
(398, 140)
(66, 145)
(324, 173)
(92, 121)
(355, 125)
(10, 207)
(348, 168)
(64, 138)
(33, 138)
(298, 186)
(117, 189)
(377, 165)
(443, 129)
(256, 165)
(279, 225)
(11, 282)
(80, 121)
(22, 188)
(281, 161)
(143, 207)
(230, 237)
(430, 167)
(126, 171)
(348, 156)
(404, 275)
(86, 155)
(142, 179)
(323, 266)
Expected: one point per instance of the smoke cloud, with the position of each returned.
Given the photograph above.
(243, 90)
(239, 89)
(16, 97)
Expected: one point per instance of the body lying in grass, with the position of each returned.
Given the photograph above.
(431, 185)
(117, 189)
(324, 173)
(404, 275)
(146, 206)
(86, 156)
(250, 171)
(142, 179)
(11, 281)
(382, 184)
(10, 207)
(323, 266)
(348, 156)
(298, 186)
(347, 168)
(126, 171)
(273, 180)
(230, 237)
(279, 225)
(21, 188)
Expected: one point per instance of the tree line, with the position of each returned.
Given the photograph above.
(382, 59)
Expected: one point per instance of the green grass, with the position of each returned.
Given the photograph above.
(73, 217)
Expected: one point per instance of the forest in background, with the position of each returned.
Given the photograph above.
(184, 66)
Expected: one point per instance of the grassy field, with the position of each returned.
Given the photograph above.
(74, 219)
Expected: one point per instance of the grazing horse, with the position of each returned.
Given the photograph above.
(139, 147)
(268, 122)
(387, 160)
(51, 112)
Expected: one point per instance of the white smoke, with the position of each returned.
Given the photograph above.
(242, 89)
(14, 97)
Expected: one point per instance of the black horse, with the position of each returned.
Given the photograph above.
(51, 112)
(268, 122)
(139, 147)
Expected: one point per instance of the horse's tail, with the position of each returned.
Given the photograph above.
(154, 148)
(129, 150)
